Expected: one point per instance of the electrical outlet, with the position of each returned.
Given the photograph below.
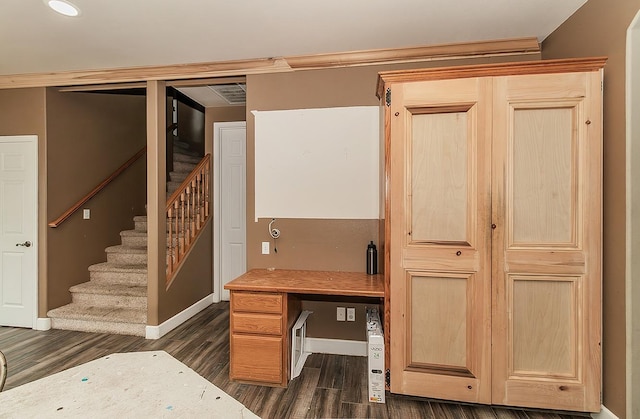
(340, 314)
(265, 248)
(86, 214)
(351, 314)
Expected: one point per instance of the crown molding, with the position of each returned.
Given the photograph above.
(137, 74)
(568, 65)
(515, 46)
(174, 73)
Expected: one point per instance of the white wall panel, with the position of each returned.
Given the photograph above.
(317, 163)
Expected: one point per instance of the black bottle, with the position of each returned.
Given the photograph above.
(372, 259)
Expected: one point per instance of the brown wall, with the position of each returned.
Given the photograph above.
(89, 136)
(194, 279)
(220, 114)
(191, 127)
(319, 244)
(22, 112)
(600, 28)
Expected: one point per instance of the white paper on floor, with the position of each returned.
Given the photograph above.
(137, 384)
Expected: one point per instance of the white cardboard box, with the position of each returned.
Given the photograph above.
(375, 354)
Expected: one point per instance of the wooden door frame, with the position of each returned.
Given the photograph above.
(632, 291)
(217, 281)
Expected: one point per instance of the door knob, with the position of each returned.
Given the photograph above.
(25, 244)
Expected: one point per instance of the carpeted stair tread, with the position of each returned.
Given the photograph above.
(183, 167)
(178, 177)
(140, 222)
(184, 158)
(172, 187)
(133, 238)
(126, 249)
(110, 289)
(121, 320)
(118, 273)
(118, 267)
(137, 233)
(126, 254)
(93, 313)
(182, 148)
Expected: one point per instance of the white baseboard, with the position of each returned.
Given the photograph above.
(336, 346)
(43, 323)
(604, 414)
(156, 332)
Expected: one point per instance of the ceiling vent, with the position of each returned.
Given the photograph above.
(233, 94)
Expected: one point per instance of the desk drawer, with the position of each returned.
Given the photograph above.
(266, 324)
(256, 302)
(256, 359)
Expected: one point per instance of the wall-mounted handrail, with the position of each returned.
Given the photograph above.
(188, 209)
(97, 189)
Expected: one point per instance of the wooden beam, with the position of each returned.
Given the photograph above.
(156, 198)
(239, 68)
(206, 82)
(136, 74)
(416, 54)
(101, 87)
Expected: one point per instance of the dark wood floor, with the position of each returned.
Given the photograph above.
(330, 386)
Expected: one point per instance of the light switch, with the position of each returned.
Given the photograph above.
(86, 214)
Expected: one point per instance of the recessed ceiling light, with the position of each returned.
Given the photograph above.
(63, 7)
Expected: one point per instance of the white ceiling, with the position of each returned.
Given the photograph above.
(130, 33)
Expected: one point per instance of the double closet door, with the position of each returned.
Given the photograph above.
(494, 233)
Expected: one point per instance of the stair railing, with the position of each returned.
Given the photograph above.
(75, 207)
(188, 209)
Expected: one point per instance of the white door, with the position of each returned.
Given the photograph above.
(230, 190)
(18, 230)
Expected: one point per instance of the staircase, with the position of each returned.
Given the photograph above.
(114, 300)
(183, 164)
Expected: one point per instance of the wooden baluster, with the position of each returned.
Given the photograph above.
(176, 208)
(187, 228)
(199, 199)
(182, 226)
(193, 208)
(169, 247)
(206, 191)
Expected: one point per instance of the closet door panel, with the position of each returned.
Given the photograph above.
(546, 271)
(439, 150)
(439, 244)
(544, 188)
(544, 325)
(447, 325)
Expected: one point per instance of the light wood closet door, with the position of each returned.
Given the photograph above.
(546, 273)
(439, 234)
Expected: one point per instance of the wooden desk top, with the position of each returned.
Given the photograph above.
(357, 284)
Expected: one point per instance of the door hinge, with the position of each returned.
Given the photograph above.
(387, 378)
(387, 97)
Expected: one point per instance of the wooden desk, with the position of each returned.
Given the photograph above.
(264, 306)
